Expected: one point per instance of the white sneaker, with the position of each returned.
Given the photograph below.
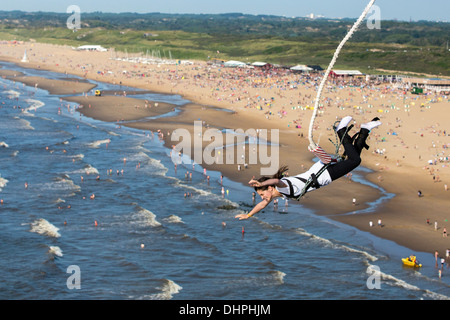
(344, 123)
(371, 125)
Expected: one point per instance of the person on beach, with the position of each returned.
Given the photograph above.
(279, 185)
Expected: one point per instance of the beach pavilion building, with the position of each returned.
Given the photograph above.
(434, 84)
(346, 74)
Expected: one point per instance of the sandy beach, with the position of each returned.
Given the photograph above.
(408, 153)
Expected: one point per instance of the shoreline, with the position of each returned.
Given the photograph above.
(404, 216)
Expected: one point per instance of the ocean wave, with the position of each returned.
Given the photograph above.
(272, 278)
(168, 290)
(11, 94)
(78, 157)
(139, 156)
(152, 166)
(112, 133)
(173, 219)
(55, 251)
(65, 142)
(4, 144)
(3, 183)
(145, 217)
(435, 296)
(63, 183)
(33, 105)
(334, 245)
(267, 225)
(393, 281)
(98, 143)
(88, 169)
(43, 227)
(23, 124)
(205, 193)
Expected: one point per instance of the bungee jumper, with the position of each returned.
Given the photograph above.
(329, 168)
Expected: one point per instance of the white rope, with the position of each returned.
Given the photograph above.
(312, 144)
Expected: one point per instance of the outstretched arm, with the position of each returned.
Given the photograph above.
(264, 203)
(255, 210)
(270, 182)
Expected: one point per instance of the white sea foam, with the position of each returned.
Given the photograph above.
(150, 165)
(113, 134)
(179, 184)
(173, 219)
(88, 169)
(146, 217)
(23, 124)
(435, 296)
(56, 251)
(78, 157)
(4, 144)
(43, 227)
(33, 105)
(64, 184)
(139, 156)
(98, 143)
(272, 278)
(333, 245)
(11, 94)
(168, 290)
(3, 183)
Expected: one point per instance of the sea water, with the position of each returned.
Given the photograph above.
(108, 200)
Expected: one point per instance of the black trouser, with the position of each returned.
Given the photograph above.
(353, 160)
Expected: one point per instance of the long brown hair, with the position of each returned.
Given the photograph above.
(278, 175)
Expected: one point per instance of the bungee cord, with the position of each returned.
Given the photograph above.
(312, 144)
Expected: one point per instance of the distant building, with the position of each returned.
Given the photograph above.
(346, 74)
(437, 85)
(383, 78)
(91, 48)
(314, 16)
(149, 34)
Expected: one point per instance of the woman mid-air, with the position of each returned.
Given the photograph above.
(278, 185)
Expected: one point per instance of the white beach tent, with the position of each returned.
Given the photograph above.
(259, 64)
(233, 63)
(301, 68)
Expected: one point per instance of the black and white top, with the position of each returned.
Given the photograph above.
(297, 184)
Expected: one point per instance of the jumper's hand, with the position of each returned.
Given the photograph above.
(254, 183)
(242, 216)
